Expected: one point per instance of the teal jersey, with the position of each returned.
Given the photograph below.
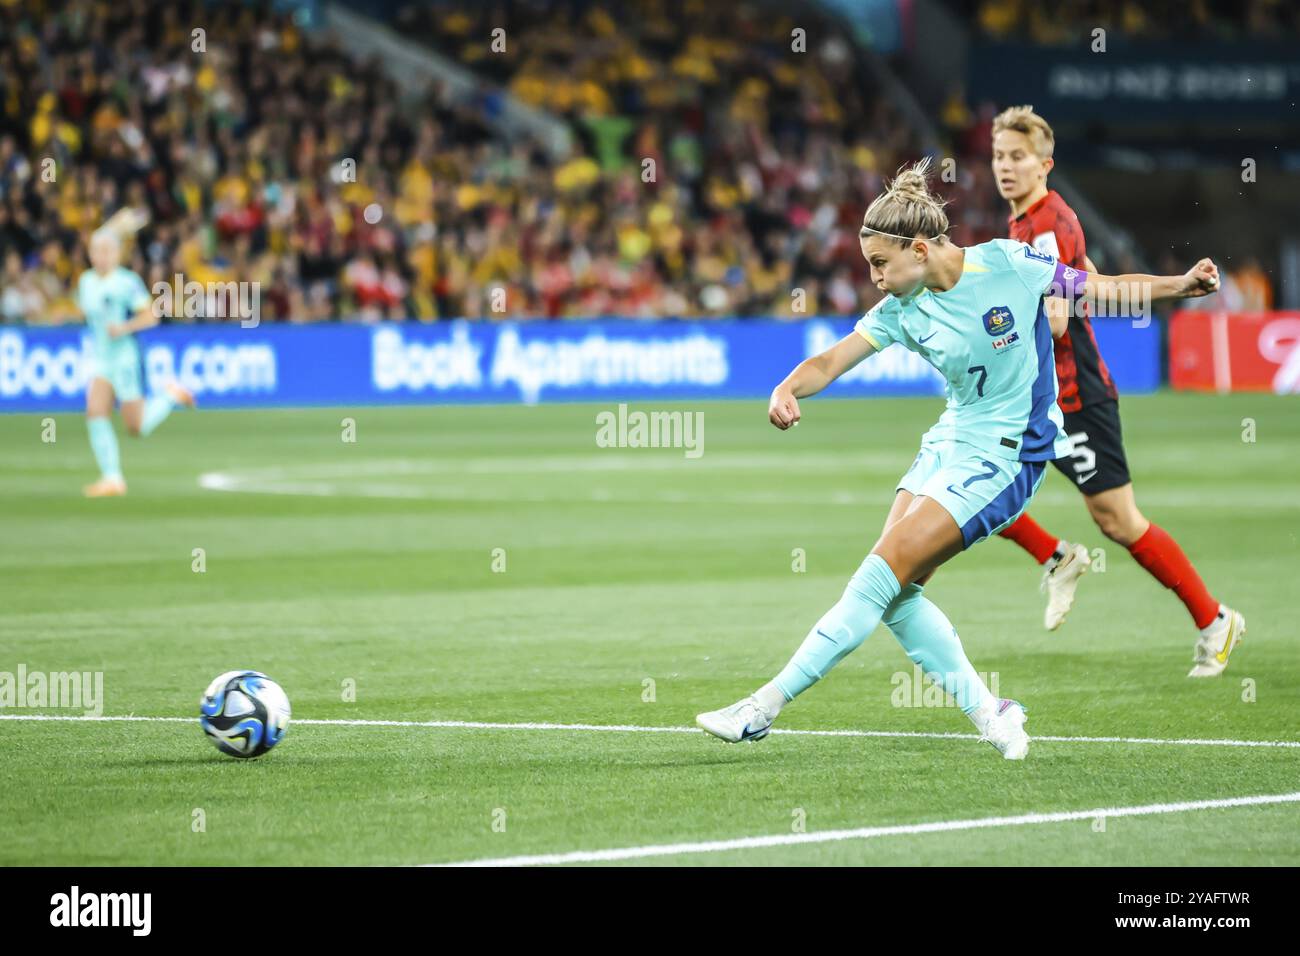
(110, 300)
(990, 339)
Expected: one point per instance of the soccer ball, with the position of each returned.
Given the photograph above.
(244, 713)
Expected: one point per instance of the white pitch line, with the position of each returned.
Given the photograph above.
(351, 481)
(867, 833)
(640, 729)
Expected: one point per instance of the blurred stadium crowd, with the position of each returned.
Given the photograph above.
(763, 160)
(235, 151)
(1183, 20)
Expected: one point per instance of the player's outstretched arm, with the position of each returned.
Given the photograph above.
(812, 375)
(1200, 280)
(144, 319)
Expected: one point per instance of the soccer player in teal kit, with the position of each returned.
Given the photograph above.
(116, 305)
(980, 316)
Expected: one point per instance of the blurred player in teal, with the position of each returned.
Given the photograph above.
(982, 317)
(116, 305)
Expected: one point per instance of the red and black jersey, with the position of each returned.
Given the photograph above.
(1051, 226)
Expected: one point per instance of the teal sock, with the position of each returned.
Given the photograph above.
(870, 591)
(103, 442)
(156, 410)
(931, 641)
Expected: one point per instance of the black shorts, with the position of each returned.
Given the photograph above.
(1096, 462)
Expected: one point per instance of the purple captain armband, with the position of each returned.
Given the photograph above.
(1067, 283)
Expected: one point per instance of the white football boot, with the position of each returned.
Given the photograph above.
(1059, 583)
(1216, 642)
(1003, 725)
(745, 720)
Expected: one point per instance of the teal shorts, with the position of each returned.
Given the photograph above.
(121, 368)
(984, 493)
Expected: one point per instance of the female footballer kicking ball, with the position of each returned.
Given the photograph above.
(978, 315)
(116, 305)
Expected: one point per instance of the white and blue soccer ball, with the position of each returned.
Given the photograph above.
(244, 713)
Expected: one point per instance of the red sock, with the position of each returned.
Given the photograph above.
(1029, 534)
(1165, 561)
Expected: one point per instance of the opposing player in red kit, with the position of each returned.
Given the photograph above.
(1023, 143)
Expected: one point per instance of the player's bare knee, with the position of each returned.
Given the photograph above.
(1121, 527)
(133, 430)
(900, 561)
(1107, 522)
(1134, 527)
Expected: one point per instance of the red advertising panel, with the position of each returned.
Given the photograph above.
(1235, 351)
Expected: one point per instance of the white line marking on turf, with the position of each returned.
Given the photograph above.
(867, 833)
(357, 480)
(640, 729)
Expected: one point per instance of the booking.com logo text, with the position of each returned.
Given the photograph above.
(28, 369)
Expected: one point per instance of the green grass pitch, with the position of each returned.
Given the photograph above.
(373, 564)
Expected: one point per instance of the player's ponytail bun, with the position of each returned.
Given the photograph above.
(107, 236)
(907, 209)
(124, 223)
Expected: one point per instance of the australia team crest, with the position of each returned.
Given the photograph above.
(998, 321)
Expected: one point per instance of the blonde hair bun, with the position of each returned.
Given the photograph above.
(907, 209)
